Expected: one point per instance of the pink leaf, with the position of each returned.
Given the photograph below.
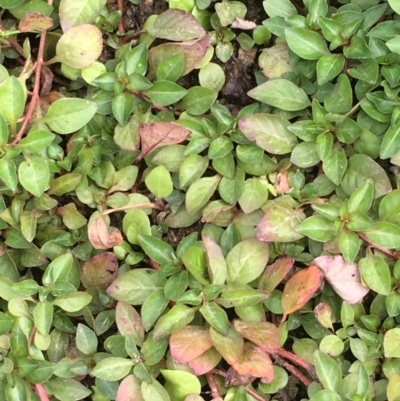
(343, 277)
(160, 134)
(205, 362)
(129, 390)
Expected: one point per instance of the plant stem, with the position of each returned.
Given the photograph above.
(36, 88)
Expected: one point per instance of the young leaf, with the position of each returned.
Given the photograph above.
(305, 43)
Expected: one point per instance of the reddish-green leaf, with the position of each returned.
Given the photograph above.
(231, 346)
(265, 335)
(189, 342)
(300, 288)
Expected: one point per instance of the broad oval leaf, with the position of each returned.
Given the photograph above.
(189, 343)
(247, 260)
(231, 346)
(34, 175)
(80, 47)
(68, 115)
(113, 368)
(264, 334)
(300, 288)
(282, 94)
(269, 132)
(305, 43)
(77, 12)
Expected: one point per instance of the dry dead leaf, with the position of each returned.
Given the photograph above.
(101, 238)
(240, 23)
(343, 277)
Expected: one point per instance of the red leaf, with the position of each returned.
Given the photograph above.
(343, 277)
(189, 342)
(255, 362)
(129, 390)
(265, 335)
(300, 288)
(160, 134)
(100, 270)
(205, 362)
(275, 273)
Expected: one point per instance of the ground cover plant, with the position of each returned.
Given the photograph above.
(199, 200)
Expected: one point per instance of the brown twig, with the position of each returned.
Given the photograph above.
(285, 364)
(213, 385)
(120, 5)
(254, 394)
(36, 88)
(386, 251)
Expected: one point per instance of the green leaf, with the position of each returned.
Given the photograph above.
(68, 115)
(35, 141)
(391, 343)
(171, 68)
(13, 98)
(389, 207)
(180, 384)
(282, 94)
(122, 107)
(159, 182)
(360, 169)
(318, 228)
(349, 245)
(376, 274)
(198, 100)
(192, 169)
(284, 8)
(86, 340)
(247, 260)
(165, 93)
(68, 389)
(65, 183)
(200, 192)
(384, 234)
(77, 12)
(43, 317)
(8, 173)
(390, 143)
(329, 67)
(216, 317)
(34, 175)
(158, 250)
(194, 260)
(154, 391)
(328, 371)
(79, 47)
(73, 302)
(112, 369)
(307, 44)
(177, 317)
(340, 100)
(135, 286)
(152, 308)
(335, 164)
(230, 346)
(305, 155)
(269, 132)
